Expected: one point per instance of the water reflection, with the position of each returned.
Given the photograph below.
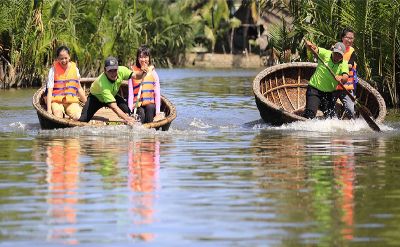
(282, 158)
(344, 175)
(105, 160)
(144, 163)
(315, 174)
(63, 171)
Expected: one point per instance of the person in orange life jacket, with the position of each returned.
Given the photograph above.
(63, 87)
(347, 37)
(149, 102)
(322, 84)
(103, 91)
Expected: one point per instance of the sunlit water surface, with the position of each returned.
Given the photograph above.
(218, 177)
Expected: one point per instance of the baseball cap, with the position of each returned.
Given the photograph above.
(111, 63)
(339, 48)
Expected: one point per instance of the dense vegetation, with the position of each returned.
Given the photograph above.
(377, 27)
(31, 30)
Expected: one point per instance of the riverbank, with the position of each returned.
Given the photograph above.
(213, 60)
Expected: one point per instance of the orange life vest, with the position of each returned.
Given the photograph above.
(147, 95)
(66, 84)
(349, 85)
(144, 165)
(63, 178)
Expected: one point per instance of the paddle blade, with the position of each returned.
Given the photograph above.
(364, 113)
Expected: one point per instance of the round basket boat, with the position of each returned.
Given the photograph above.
(280, 94)
(105, 116)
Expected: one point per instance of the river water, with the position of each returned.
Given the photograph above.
(218, 177)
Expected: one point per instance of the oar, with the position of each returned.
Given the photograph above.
(138, 97)
(361, 108)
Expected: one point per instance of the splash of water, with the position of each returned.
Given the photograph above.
(17, 126)
(121, 132)
(198, 123)
(331, 125)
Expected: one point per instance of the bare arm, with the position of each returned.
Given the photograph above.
(311, 46)
(81, 95)
(145, 69)
(137, 75)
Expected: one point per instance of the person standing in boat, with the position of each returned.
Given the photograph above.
(103, 91)
(347, 37)
(63, 87)
(148, 102)
(322, 84)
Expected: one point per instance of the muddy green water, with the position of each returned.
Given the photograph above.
(219, 177)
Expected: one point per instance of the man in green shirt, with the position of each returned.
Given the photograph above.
(322, 84)
(103, 92)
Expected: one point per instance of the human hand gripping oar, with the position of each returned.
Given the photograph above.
(361, 108)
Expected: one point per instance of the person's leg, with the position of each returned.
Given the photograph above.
(312, 103)
(348, 105)
(73, 110)
(90, 108)
(141, 114)
(328, 105)
(150, 111)
(57, 109)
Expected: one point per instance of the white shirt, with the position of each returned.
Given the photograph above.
(50, 78)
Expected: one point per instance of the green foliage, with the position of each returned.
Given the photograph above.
(168, 34)
(212, 21)
(20, 19)
(31, 31)
(284, 41)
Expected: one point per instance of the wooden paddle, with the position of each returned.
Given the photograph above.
(361, 108)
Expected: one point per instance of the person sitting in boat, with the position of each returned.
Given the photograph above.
(347, 37)
(322, 84)
(103, 91)
(144, 91)
(63, 87)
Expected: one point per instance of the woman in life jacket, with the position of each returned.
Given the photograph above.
(347, 37)
(63, 87)
(144, 93)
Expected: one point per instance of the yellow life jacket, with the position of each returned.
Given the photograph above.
(147, 95)
(350, 84)
(66, 84)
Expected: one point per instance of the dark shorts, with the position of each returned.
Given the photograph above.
(316, 99)
(146, 113)
(92, 105)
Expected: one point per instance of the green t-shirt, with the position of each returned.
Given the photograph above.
(104, 90)
(322, 79)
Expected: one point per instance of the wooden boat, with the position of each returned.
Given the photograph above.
(280, 94)
(104, 116)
